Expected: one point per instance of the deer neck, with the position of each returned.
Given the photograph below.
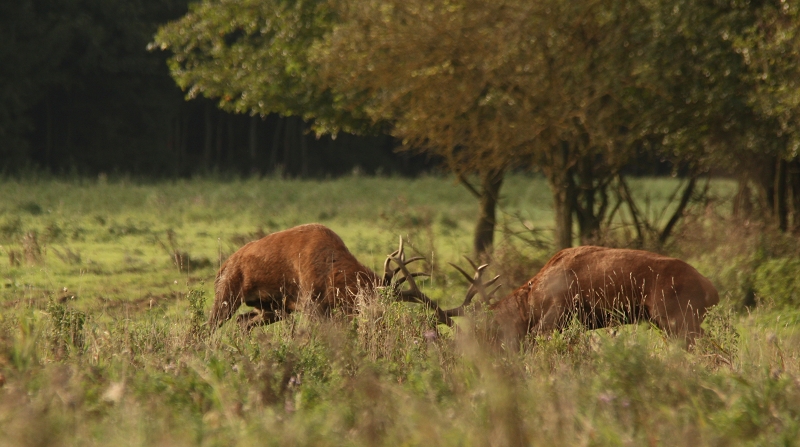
(511, 315)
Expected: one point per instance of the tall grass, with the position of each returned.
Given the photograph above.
(121, 357)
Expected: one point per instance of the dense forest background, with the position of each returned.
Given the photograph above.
(584, 92)
(81, 93)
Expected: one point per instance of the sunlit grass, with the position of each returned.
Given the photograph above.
(127, 361)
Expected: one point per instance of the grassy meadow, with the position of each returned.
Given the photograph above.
(105, 286)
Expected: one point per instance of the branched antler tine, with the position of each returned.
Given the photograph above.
(387, 269)
(397, 270)
(466, 275)
(413, 275)
(388, 273)
(417, 294)
(487, 296)
(407, 276)
(472, 263)
(475, 287)
(491, 294)
(480, 287)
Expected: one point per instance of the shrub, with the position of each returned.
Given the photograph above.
(777, 281)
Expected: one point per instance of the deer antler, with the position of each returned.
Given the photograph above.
(475, 287)
(415, 295)
(399, 257)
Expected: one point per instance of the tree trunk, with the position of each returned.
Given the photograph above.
(742, 201)
(781, 199)
(48, 143)
(209, 135)
(562, 205)
(184, 144)
(288, 143)
(253, 142)
(303, 150)
(276, 138)
(794, 187)
(231, 155)
(678, 214)
(220, 117)
(563, 189)
(766, 183)
(491, 182)
(588, 209)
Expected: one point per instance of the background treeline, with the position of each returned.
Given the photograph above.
(585, 92)
(80, 93)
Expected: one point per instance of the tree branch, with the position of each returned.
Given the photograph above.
(676, 216)
(469, 186)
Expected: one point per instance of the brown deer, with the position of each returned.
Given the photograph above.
(602, 287)
(273, 273)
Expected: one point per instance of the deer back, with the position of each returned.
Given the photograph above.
(605, 285)
(276, 270)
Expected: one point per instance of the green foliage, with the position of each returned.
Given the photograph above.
(197, 313)
(777, 281)
(252, 55)
(721, 338)
(66, 327)
(771, 50)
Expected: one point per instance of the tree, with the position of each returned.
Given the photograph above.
(770, 48)
(446, 78)
(253, 57)
(492, 85)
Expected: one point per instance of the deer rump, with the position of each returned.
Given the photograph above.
(601, 287)
(275, 272)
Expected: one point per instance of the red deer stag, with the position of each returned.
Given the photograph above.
(274, 272)
(602, 287)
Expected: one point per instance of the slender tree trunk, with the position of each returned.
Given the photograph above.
(766, 185)
(562, 204)
(626, 195)
(288, 141)
(678, 214)
(794, 187)
(589, 213)
(176, 144)
(209, 135)
(48, 143)
(491, 182)
(303, 150)
(231, 155)
(781, 199)
(253, 141)
(220, 118)
(563, 190)
(184, 143)
(276, 139)
(742, 202)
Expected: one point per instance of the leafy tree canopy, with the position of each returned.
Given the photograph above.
(253, 55)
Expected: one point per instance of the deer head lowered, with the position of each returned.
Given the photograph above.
(273, 273)
(601, 287)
